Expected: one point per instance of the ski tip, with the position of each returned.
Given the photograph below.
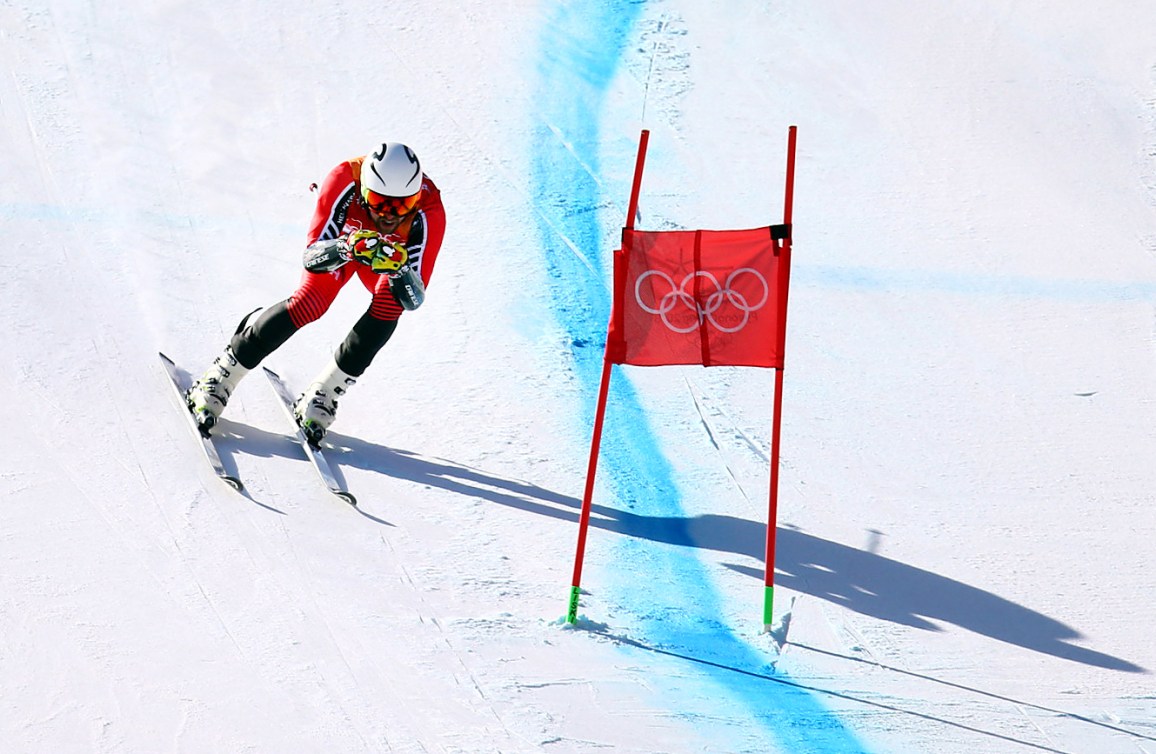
(233, 482)
(347, 497)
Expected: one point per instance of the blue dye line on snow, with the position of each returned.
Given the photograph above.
(116, 217)
(670, 593)
(828, 277)
(913, 281)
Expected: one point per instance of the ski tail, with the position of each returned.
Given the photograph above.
(204, 439)
(315, 453)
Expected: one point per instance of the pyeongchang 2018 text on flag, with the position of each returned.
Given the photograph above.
(709, 297)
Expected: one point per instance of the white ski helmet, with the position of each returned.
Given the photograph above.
(392, 170)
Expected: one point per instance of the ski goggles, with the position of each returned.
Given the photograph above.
(395, 206)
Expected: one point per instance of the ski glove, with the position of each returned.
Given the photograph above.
(326, 256)
(383, 254)
(407, 288)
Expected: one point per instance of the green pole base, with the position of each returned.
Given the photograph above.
(572, 610)
(768, 607)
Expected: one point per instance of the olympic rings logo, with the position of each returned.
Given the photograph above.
(679, 299)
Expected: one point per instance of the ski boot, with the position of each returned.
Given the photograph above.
(207, 396)
(316, 409)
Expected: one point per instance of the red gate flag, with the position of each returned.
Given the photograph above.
(709, 297)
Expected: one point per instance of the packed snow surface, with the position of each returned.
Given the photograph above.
(967, 502)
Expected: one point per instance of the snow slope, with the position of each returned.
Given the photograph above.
(966, 504)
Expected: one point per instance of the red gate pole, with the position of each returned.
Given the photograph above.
(776, 422)
(600, 411)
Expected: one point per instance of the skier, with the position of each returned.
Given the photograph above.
(379, 218)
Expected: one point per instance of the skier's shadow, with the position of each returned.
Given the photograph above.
(343, 450)
(859, 580)
(439, 473)
(236, 437)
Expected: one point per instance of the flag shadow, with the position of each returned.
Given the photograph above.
(869, 583)
(859, 580)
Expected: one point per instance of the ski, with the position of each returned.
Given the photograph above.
(316, 455)
(204, 440)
